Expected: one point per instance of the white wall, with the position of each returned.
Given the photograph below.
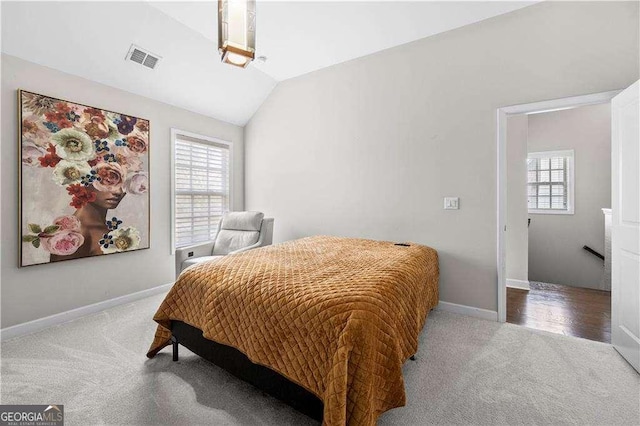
(517, 249)
(38, 291)
(555, 241)
(369, 147)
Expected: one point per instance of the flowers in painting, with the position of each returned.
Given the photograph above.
(143, 126)
(110, 176)
(97, 156)
(50, 159)
(62, 117)
(87, 180)
(63, 243)
(137, 143)
(106, 241)
(113, 223)
(70, 172)
(63, 238)
(29, 127)
(80, 195)
(35, 133)
(68, 223)
(101, 146)
(72, 144)
(126, 158)
(125, 126)
(137, 184)
(36, 233)
(97, 126)
(119, 240)
(31, 153)
(37, 104)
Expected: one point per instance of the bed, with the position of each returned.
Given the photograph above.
(324, 323)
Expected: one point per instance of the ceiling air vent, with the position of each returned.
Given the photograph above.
(143, 57)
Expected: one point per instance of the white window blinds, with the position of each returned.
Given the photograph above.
(550, 178)
(201, 189)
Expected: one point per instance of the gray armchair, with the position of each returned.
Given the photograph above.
(237, 232)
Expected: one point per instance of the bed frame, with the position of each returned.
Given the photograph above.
(237, 363)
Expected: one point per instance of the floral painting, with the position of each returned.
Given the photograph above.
(84, 181)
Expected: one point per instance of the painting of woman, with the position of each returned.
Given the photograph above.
(84, 181)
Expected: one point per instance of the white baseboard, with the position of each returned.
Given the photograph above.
(521, 284)
(57, 319)
(468, 310)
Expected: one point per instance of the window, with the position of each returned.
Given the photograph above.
(550, 182)
(201, 187)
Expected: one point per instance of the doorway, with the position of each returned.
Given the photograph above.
(545, 281)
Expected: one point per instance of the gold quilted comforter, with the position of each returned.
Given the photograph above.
(337, 316)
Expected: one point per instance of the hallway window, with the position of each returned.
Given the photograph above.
(550, 182)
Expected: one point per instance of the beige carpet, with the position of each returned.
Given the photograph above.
(469, 371)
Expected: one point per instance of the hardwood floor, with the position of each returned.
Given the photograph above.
(562, 309)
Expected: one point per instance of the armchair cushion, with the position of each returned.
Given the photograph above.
(237, 230)
(242, 221)
(229, 240)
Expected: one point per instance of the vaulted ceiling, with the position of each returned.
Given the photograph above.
(298, 37)
(91, 40)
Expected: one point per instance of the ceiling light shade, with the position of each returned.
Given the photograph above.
(237, 31)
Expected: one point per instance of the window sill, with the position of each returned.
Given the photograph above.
(565, 212)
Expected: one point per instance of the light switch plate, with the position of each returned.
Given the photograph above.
(451, 203)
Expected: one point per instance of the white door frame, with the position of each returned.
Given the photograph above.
(502, 115)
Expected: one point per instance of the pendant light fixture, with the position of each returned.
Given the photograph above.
(237, 31)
